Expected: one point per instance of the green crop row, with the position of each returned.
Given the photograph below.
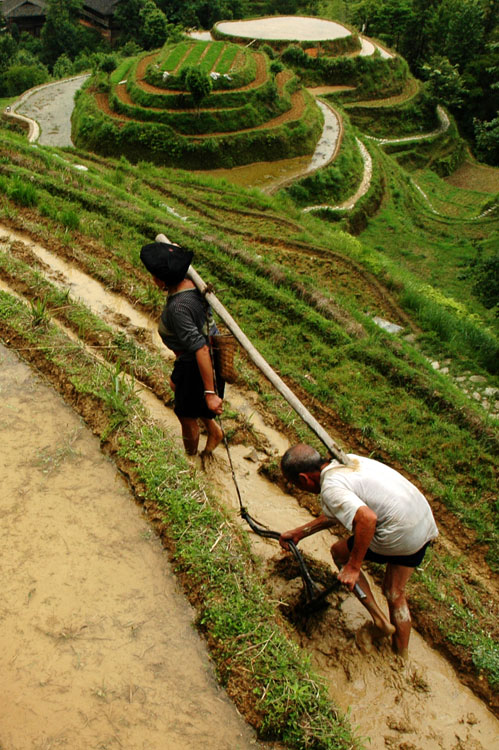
(242, 76)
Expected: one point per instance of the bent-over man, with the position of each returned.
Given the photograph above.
(389, 519)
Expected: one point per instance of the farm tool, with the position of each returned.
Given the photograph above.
(315, 597)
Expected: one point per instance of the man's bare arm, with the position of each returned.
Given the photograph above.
(364, 526)
(213, 401)
(312, 527)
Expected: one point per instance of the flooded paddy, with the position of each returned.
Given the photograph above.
(98, 648)
(300, 28)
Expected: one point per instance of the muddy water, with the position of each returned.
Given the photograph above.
(51, 107)
(97, 645)
(270, 175)
(285, 27)
(419, 706)
(111, 307)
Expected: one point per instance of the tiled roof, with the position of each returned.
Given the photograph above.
(19, 8)
(104, 7)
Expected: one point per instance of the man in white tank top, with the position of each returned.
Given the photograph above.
(390, 521)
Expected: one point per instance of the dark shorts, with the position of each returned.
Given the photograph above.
(189, 390)
(410, 561)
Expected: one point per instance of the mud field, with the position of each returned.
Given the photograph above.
(97, 643)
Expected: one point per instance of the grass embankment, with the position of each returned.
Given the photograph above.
(268, 264)
(267, 676)
(338, 180)
(234, 124)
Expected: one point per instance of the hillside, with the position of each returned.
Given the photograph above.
(378, 312)
(306, 294)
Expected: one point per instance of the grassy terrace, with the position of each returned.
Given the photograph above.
(305, 293)
(145, 108)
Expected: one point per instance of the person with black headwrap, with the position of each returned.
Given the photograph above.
(185, 326)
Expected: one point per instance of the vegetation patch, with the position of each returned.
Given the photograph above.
(262, 122)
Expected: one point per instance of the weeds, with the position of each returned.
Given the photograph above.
(50, 459)
(119, 396)
(39, 313)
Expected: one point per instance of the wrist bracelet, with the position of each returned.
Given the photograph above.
(213, 392)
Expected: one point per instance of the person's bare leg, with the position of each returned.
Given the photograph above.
(396, 577)
(341, 553)
(190, 434)
(215, 435)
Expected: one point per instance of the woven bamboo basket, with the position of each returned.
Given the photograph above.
(226, 345)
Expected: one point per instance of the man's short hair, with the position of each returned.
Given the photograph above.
(300, 459)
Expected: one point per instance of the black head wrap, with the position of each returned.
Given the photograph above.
(166, 262)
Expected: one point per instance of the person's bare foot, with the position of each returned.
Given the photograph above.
(215, 437)
(382, 628)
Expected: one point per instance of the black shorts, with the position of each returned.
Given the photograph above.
(410, 561)
(190, 400)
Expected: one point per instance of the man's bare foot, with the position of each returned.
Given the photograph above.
(401, 656)
(209, 462)
(382, 628)
(215, 436)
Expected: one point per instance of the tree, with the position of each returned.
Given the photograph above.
(127, 17)
(444, 82)
(61, 32)
(154, 28)
(487, 140)
(8, 49)
(459, 30)
(199, 85)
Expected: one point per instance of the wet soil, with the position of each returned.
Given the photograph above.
(98, 648)
(421, 705)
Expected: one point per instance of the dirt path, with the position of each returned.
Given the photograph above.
(422, 706)
(97, 644)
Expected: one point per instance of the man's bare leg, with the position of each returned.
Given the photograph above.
(396, 577)
(190, 434)
(215, 435)
(341, 553)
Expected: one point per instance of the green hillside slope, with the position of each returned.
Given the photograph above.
(306, 293)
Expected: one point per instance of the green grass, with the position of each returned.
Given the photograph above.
(227, 59)
(175, 56)
(195, 54)
(451, 201)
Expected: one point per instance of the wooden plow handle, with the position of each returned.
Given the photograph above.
(267, 370)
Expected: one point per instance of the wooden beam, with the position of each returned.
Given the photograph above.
(266, 369)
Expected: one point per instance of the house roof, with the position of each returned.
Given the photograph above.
(103, 7)
(20, 8)
(23, 8)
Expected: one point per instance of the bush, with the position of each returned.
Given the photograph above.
(107, 63)
(62, 67)
(69, 219)
(19, 78)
